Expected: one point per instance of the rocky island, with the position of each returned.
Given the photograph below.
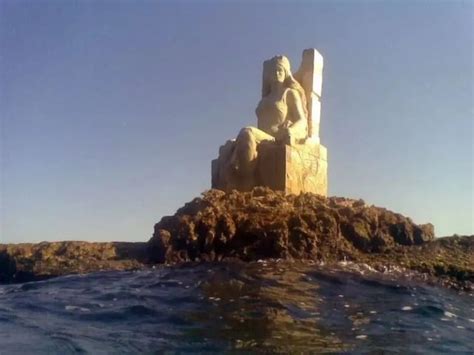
(269, 201)
(261, 224)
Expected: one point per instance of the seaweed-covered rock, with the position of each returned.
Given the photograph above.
(264, 223)
(28, 262)
(257, 225)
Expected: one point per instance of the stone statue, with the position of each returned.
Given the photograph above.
(286, 118)
(282, 111)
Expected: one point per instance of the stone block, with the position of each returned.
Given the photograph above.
(293, 169)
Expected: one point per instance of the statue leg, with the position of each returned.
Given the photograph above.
(245, 157)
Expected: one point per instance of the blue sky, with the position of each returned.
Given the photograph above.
(111, 111)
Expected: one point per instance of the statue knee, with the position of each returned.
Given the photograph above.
(246, 147)
(246, 135)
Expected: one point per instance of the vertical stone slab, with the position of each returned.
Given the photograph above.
(310, 76)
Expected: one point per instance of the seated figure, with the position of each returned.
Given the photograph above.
(283, 120)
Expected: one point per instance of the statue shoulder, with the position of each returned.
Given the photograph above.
(292, 95)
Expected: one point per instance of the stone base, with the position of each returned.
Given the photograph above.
(293, 169)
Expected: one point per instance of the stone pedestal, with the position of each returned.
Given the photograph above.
(292, 169)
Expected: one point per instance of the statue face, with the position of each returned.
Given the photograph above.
(279, 74)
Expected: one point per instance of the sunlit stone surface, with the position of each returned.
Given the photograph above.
(284, 152)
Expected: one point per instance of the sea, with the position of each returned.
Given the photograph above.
(233, 307)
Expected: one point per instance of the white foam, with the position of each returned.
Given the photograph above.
(449, 314)
(76, 308)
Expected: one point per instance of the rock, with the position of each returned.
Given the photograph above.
(264, 223)
(261, 224)
(29, 262)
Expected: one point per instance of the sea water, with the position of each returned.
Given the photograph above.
(269, 307)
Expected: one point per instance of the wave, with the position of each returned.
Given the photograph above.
(271, 306)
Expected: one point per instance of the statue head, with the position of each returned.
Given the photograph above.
(278, 69)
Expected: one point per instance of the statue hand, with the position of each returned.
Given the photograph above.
(284, 135)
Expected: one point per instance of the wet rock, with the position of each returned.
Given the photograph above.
(264, 223)
(29, 262)
(261, 224)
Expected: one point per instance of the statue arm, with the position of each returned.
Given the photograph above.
(297, 112)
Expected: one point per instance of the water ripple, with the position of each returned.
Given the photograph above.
(271, 307)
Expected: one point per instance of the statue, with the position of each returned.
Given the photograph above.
(286, 118)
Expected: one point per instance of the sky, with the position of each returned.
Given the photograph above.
(111, 111)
